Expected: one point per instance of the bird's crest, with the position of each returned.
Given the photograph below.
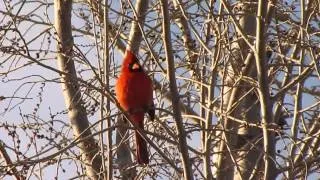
(131, 62)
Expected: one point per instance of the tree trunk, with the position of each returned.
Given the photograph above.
(242, 146)
(71, 91)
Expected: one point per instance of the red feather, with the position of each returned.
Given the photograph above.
(135, 94)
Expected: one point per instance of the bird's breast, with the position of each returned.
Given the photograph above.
(134, 91)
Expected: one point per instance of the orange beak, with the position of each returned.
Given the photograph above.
(135, 66)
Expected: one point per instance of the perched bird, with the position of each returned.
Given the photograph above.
(134, 92)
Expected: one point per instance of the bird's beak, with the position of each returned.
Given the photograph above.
(136, 66)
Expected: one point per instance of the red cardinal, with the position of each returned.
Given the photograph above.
(134, 93)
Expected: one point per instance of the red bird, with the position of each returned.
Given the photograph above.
(135, 94)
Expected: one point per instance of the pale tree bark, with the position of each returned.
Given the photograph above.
(223, 57)
(231, 94)
(241, 150)
(71, 91)
(205, 94)
(182, 142)
(135, 38)
(295, 152)
(264, 94)
(123, 151)
(136, 42)
(106, 80)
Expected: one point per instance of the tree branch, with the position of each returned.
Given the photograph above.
(187, 166)
(263, 90)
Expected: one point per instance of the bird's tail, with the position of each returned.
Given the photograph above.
(142, 150)
(141, 144)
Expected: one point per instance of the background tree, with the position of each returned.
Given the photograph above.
(236, 89)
